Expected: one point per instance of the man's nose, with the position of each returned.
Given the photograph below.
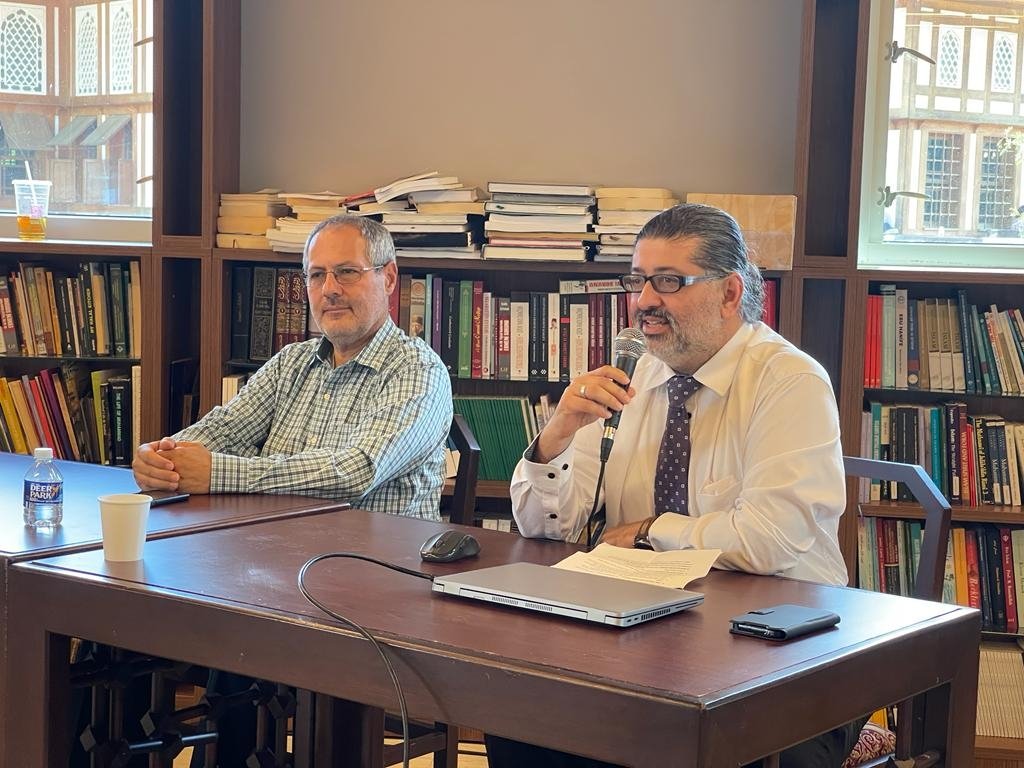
(648, 297)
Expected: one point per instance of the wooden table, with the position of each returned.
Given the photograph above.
(677, 691)
(80, 529)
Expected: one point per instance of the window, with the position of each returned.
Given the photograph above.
(944, 128)
(21, 49)
(121, 47)
(94, 138)
(86, 54)
(1004, 58)
(996, 195)
(949, 59)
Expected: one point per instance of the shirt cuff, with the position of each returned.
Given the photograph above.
(546, 477)
(671, 531)
(229, 474)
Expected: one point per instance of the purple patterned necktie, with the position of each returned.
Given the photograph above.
(670, 493)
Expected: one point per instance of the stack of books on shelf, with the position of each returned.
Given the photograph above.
(268, 310)
(975, 460)
(622, 213)
(546, 222)
(443, 223)
(942, 344)
(95, 312)
(289, 233)
(503, 426)
(984, 566)
(82, 415)
(524, 336)
(244, 218)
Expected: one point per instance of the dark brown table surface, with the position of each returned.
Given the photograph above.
(80, 529)
(677, 691)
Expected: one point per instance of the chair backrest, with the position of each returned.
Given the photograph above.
(464, 495)
(937, 513)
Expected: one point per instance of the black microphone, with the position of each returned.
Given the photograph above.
(627, 348)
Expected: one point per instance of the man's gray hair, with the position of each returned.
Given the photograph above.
(380, 248)
(721, 250)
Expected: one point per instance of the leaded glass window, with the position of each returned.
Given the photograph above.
(86, 54)
(121, 41)
(949, 59)
(995, 194)
(1004, 57)
(943, 179)
(21, 53)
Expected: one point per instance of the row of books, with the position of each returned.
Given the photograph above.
(984, 566)
(269, 309)
(942, 344)
(503, 426)
(1001, 690)
(525, 336)
(95, 311)
(973, 459)
(82, 414)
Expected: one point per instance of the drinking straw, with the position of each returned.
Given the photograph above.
(31, 187)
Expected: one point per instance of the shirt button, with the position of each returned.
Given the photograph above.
(327, 397)
(553, 516)
(565, 466)
(311, 441)
(551, 475)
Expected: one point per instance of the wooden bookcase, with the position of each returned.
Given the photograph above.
(827, 302)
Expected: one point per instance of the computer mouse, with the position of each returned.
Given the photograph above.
(449, 546)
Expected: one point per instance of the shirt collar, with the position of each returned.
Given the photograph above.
(717, 373)
(374, 355)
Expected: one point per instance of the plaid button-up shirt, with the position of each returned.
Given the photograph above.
(370, 432)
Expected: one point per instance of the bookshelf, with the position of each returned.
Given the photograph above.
(827, 298)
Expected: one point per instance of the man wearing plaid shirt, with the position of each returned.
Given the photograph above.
(360, 415)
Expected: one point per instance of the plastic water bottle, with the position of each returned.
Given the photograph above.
(44, 491)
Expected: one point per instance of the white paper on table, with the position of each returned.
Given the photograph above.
(675, 568)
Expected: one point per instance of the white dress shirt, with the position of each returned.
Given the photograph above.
(766, 478)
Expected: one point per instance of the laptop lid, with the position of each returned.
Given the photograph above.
(557, 591)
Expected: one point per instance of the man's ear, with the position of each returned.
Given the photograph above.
(732, 294)
(390, 272)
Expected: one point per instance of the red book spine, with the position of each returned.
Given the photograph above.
(876, 342)
(1008, 582)
(477, 339)
(44, 419)
(973, 574)
(770, 313)
(49, 394)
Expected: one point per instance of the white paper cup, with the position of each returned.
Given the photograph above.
(123, 522)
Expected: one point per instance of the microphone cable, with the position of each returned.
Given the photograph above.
(395, 682)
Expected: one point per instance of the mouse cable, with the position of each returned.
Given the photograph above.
(365, 632)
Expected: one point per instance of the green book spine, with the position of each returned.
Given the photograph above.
(465, 329)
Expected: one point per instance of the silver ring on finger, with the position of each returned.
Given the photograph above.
(583, 390)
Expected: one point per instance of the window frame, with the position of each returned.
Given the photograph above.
(872, 251)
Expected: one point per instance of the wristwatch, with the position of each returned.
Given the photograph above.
(642, 540)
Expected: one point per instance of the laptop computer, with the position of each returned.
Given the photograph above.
(586, 596)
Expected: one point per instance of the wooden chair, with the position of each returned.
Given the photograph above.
(927, 586)
(464, 493)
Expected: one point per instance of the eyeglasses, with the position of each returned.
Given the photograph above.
(342, 275)
(663, 282)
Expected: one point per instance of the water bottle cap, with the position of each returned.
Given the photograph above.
(42, 454)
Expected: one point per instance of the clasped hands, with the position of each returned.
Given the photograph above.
(173, 465)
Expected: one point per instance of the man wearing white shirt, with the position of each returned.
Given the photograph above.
(728, 439)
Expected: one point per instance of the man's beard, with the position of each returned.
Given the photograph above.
(676, 348)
